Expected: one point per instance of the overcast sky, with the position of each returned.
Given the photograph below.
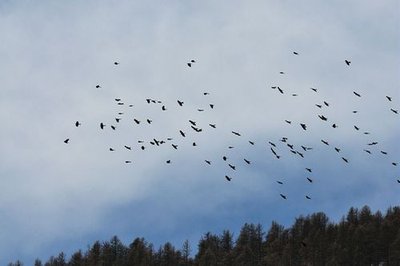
(61, 197)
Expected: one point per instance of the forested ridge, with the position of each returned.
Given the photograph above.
(359, 238)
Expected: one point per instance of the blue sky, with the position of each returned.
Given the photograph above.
(57, 197)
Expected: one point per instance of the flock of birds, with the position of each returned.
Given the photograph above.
(195, 126)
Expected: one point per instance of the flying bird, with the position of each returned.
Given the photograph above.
(283, 196)
(111, 149)
(325, 142)
(307, 197)
(168, 161)
(128, 161)
(356, 94)
(189, 64)
(212, 125)
(113, 127)
(228, 178)
(344, 159)
(356, 128)
(271, 143)
(66, 141)
(314, 89)
(211, 106)
(224, 158)
(309, 170)
(77, 124)
(389, 98)
(309, 180)
(247, 161)
(163, 108)
(236, 133)
(296, 53)
(208, 162)
(384, 152)
(280, 90)
(323, 118)
(175, 146)
(117, 119)
(128, 147)
(347, 62)
(192, 122)
(281, 72)
(279, 182)
(304, 126)
(251, 142)
(116, 63)
(98, 86)
(288, 121)
(182, 133)
(326, 103)
(337, 149)
(334, 126)
(318, 105)
(367, 151)
(102, 125)
(232, 166)
(394, 111)
(136, 121)
(180, 103)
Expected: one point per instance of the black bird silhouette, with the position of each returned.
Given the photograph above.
(120, 113)
(206, 93)
(384, 152)
(283, 196)
(314, 89)
(356, 94)
(294, 94)
(236, 133)
(148, 100)
(318, 105)
(290, 146)
(367, 151)
(356, 128)
(279, 182)
(196, 129)
(251, 142)
(394, 164)
(372, 143)
(247, 161)
(228, 178)
(398, 181)
(299, 153)
(192, 61)
(389, 98)
(192, 122)
(128, 161)
(200, 110)
(232, 166)
(98, 86)
(113, 127)
(271, 143)
(111, 149)
(189, 64)
(281, 72)
(128, 147)
(304, 126)
(168, 161)
(116, 63)
(366, 133)
(337, 149)
(309, 180)
(273, 151)
(175, 146)
(66, 141)
(325, 142)
(117, 119)
(280, 90)
(149, 121)
(307, 197)
(323, 117)
(194, 144)
(163, 108)
(344, 159)
(334, 126)
(182, 133)
(212, 125)
(77, 124)
(120, 103)
(180, 103)
(208, 162)
(354, 112)
(309, 170)
(296, 53)
(288, 121)
(327, 104)
(136, 121)
(394, 111)
(224, 158)
(211, 106)
(102, 125)
(143, 147)
(347, 62)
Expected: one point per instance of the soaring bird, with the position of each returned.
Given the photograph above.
(168, 161)
(207, 161)
(394, 111)
(372, 143)
(337, 149)
(304, 126)
(128, 147)
(384, 152)
(136, 121)
(309, 170)
(347, 62)
(113, 127)
(271, 143)
(356, 128)
(288, 121)
(354, 112)
(326, 103)
(128, 161)
(200, 110)
(66, 141)
(251, 142)
(283, 196)
(182, 133)
(247, 161)
(325, 142)
(279, 182)
(116, 63)
(356, 94)
(280, 90)
(344, 159)
(175, 146)
(309, 180)
(314, 89)
(334, 126)
(98, 86)
(296, 53)
(281, 72)
(193, 61)
(236, 133)
(194, 144)
(318, 105)
(228, 178)
(117, 119)
(77, 124)
(394, 164)
(149, 121)
(290, 146)
(398, 181)
(323, 117)
(211, 106)
(206, 93)
(192, 122)
(232, 166)
(111, 149)
(367, 151)
(163, 108)
(212, 125)
(389, 98)
(308, 197)
(273, 151)
(189, 64)
(180, 103)
(224, 158)
(102, 125)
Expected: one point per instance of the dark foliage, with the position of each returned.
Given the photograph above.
(360, 238)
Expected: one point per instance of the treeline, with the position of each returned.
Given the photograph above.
(360, 238)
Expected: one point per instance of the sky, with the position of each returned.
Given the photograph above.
(62, 197)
